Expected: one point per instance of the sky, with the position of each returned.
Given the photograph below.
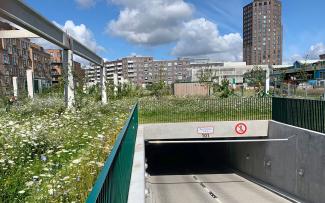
(167, 29)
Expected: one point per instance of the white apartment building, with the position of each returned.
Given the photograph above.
(92, 75)
(232, 71)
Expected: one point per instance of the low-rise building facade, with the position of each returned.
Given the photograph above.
(18, 55)
(311, 71)
(57, 67)
(145, 70)
(14, 61)
(56, 64)
(92, 75)
(231, 71)
(40, 63)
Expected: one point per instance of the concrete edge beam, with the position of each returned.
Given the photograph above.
(137, 184)
(298, 128)
(8, 34)
(206, 130)
(20, 13)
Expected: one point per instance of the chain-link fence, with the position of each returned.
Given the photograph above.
(305, 91)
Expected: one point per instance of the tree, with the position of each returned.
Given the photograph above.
(302, 74)
(206, 77)
(159, 88)
(256, 78)
(223, 90)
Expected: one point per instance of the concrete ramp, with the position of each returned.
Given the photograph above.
(206, 130)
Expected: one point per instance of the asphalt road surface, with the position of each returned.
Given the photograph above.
(211, 188)
(198, 173)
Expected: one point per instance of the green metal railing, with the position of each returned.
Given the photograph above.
(309, 114)
(203, 110)
(112, 184)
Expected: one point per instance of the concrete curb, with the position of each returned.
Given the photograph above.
(137, 184)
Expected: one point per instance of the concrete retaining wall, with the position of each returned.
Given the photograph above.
(194, 130)
(296, 166)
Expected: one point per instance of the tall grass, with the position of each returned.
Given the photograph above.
(48, 154)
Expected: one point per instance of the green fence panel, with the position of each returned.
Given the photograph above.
(203, 110)
(112, 184)
(309, 114)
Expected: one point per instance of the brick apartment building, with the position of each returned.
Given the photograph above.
(14, 61)
(18, 55)
(57, 66)
(146, 70)
(79, 73)
(40, 63)
(262, 32)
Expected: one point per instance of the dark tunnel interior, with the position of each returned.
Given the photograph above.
(186, 158)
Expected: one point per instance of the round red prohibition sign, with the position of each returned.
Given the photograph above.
(241, 128)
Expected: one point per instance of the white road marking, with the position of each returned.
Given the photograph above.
(211, 193)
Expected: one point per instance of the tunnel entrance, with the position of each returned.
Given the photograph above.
(200, 172)
(186, 158)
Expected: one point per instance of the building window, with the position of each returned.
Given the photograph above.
(6, 59)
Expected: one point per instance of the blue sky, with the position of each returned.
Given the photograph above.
(170, 28)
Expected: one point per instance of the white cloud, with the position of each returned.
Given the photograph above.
(312, 53)
(292, 59)
(201, 37)
(316, 50)
(78, 32)
(158, 22)
(148, 22)
(86, 3)
(82, 34)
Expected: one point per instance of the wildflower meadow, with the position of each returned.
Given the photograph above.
(50, 154)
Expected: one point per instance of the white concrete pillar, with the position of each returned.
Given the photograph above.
(103, 84)
(15, 86)
(68, 79)
(115, 79)
(30, 83)
(267, 81)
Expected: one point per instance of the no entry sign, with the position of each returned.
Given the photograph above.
(241, 128)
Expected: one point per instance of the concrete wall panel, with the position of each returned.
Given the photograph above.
(224, 129)
(296, 166)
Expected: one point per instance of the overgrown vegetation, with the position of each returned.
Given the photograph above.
(256, 78)
(223, 90)
(50, 154)
(159, 89)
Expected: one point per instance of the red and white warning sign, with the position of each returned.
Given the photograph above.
(241, 128)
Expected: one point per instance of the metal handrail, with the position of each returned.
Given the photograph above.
(99, 186)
